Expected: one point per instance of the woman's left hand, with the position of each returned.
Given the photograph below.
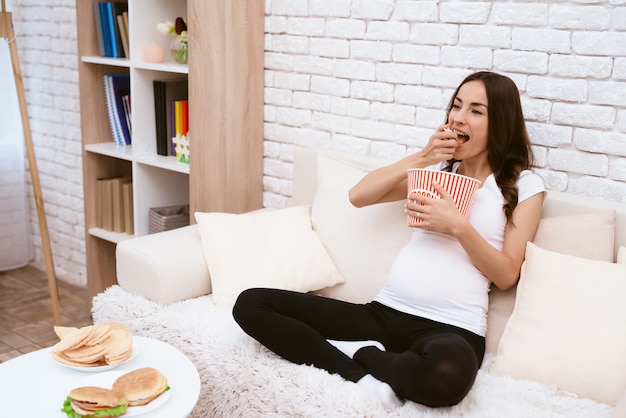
(437, 214)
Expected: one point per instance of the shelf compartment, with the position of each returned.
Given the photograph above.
(113, 62)
(110, 236)
(156, 187)
(168, 163)
(111, 149)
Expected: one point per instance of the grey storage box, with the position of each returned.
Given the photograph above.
(167, 217)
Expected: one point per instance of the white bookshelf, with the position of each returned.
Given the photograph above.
(208, 182)
(158, 180)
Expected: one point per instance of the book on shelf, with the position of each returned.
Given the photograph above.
(123, 34)
(114, 204)
(129, 223)
(117, 199)
(117, 95)
(166, 94)
(104, 204)
(99, 32)
(112, 28)
(180, 130)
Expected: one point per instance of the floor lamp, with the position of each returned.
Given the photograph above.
(6, 31)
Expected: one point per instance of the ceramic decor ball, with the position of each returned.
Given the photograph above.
(154, 53)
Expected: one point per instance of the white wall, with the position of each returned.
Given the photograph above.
(16, 247)
(46, 40)
(371, 77)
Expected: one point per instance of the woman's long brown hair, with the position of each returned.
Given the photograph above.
(509, 146)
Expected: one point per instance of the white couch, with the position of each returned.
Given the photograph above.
(165, 291)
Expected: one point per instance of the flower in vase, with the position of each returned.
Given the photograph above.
(179, 46)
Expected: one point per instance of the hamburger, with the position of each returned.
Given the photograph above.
(141, 386)
(94, 402)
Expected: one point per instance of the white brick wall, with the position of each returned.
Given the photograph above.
(371, 77)
(382, 71)
(46, 40)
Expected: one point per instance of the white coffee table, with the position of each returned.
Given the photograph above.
(34, 385)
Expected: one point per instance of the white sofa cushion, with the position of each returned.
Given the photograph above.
(567, 326)
(276, 249)
(588, 236)
(166, 267)
(363, 242)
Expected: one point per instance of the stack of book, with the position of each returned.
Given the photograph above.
(171, 113)
(114, 205)
(112, 28)
(117, 95)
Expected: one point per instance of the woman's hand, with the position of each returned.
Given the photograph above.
(437, 214)
(440, 147)
(389, 183)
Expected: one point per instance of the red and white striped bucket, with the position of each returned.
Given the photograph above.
(461, 188)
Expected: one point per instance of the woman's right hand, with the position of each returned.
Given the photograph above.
(440, 147)
(389, 183)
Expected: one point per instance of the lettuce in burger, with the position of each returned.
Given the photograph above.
(94, 402)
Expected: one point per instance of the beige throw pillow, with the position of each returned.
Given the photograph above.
(363, 242)
(567, 328)
(588, 236)
(276, 249)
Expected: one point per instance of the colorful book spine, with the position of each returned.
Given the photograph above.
(117, 91)
(112, 28)
(104, 25)
(185, 116)
(166, 92)
(109, 97)
(99, 35)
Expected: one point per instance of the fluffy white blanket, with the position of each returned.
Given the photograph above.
(240, 378)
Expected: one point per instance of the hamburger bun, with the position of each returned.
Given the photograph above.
(141, 386)
(91, 400)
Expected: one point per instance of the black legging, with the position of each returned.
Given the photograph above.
(425, 361)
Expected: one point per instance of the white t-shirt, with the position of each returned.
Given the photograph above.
(433, 277)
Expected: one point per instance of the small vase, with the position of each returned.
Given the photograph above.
(179, 50)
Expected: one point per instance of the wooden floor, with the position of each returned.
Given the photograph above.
(26, 318)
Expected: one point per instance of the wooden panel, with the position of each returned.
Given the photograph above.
(100, 265)
(226, 104)
(95, 128)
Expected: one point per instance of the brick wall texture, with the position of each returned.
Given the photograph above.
(370, 77)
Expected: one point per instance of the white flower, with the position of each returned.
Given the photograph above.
(166, 28)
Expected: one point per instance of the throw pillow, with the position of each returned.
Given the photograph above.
(587, 236)
(276, 249)
(620, 408)
(621, 255)
(567, 328)
(363, 242)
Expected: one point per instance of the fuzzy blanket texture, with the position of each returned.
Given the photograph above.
(240, 378)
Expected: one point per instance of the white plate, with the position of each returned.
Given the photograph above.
(133, 354)
(105, 380)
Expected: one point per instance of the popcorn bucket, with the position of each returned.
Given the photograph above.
(461, 188)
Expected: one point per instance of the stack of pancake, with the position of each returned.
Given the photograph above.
(95, 345)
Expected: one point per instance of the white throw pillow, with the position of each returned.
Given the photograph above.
(567, 327)
(621, 255)
(363, 242)
(276, 249)
(588, 236)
